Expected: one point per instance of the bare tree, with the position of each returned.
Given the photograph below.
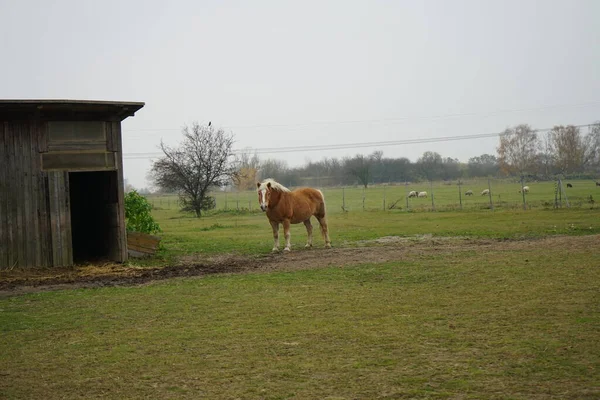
(451, 168)
(483, 165)
(201, 162)
(430, 165)
(248, 166)
(591, 148)
(567, 148)
(360, 167)
(517, 152)
(271, 168)
(545, 157)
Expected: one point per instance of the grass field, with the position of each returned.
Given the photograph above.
(511, 313)
(505, 195)
(517, 320)
(245, 229)
(250, 233)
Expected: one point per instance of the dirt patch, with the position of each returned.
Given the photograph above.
(376, 251)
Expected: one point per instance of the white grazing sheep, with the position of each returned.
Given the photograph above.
(485, 192)
(469, 193)
(412, 194)
(525, 189)
(422, 194)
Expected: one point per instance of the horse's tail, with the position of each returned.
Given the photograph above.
(322, 213)
(323, 202)
(323, 221)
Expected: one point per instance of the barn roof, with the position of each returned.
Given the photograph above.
(67, 109)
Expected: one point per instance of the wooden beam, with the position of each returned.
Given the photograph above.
(60, 217)
(4, 189)
(76, 161)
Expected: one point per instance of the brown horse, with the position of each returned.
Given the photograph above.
(286, 207)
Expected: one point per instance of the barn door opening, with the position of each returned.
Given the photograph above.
(94, 221)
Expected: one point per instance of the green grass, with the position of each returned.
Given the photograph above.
(514, 321)
(505, 195)
(247, 231)
(250, 232)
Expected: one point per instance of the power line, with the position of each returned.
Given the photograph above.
(271, 150)
(390, 120)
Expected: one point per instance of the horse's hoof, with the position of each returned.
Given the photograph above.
(328, 246)
(287, 249)
(275, 250)
(308, 246)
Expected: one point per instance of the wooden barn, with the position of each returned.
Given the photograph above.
(61, 182)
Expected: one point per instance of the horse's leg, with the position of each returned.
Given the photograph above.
(324, 231)
(309, 232)
(275, 227)
(286, 232)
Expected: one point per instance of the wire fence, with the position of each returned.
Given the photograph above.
(477, 194)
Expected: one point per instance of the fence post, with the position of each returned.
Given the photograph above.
(523, 194)
(460, 193)
(556, 193)
(432, 201)
(363, 198)
(225, 201)
(562, 190)
(384, 198)
(344, 198)
(559, 193)
(490, 195)
(406, 184)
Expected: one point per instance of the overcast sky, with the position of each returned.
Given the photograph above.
(305, 73)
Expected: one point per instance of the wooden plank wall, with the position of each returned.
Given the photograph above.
(41, 129)
(60, 218)
(24, 227)
(35, 219)
(114, 143)
(5, 245)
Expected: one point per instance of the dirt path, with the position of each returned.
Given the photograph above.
(381, 250)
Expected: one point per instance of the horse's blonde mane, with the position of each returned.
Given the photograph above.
(274, 185)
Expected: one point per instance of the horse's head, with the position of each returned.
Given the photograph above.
(269, 193)
(264, 195)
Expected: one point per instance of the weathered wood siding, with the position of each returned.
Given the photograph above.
(35, 218)
(79, 146)
(60, 218)
(119, 221)
(24, 206)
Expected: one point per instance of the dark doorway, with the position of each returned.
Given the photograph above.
(94, 199)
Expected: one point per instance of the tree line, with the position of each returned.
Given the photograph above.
(206, 160)
(563, 150)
